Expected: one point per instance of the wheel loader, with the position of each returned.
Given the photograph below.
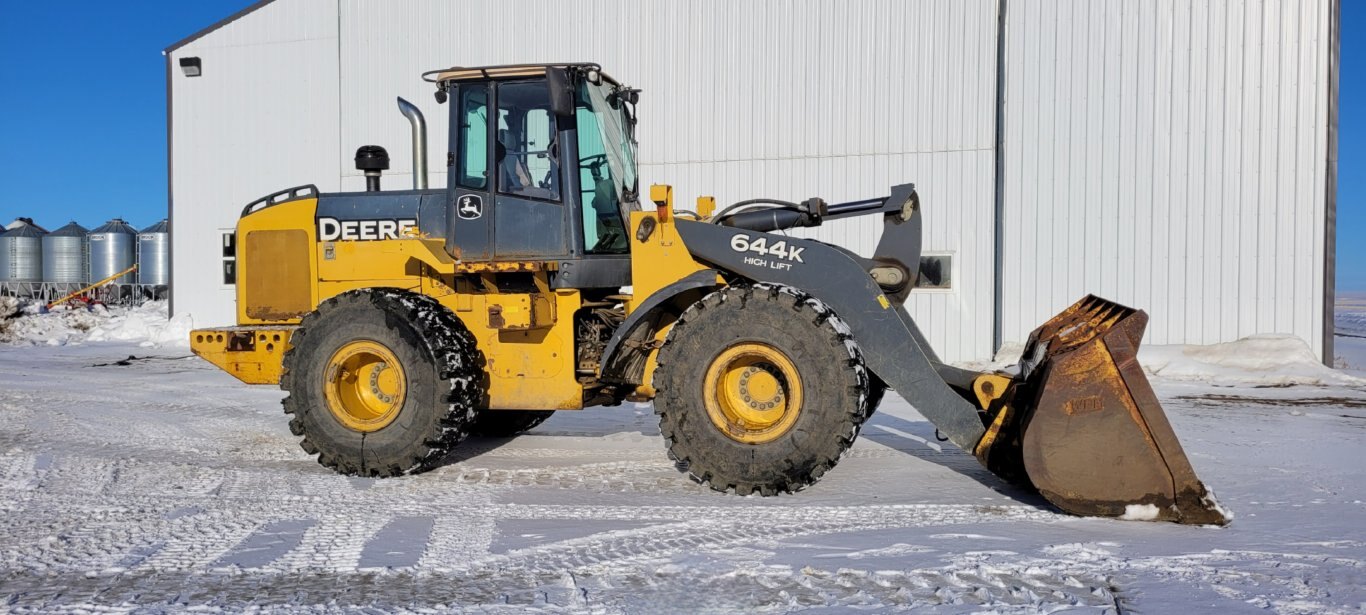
(401, 321)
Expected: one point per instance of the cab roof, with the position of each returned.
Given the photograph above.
(501, 71)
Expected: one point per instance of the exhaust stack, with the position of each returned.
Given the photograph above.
(419, 123)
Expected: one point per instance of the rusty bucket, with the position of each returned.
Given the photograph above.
(1086, 429)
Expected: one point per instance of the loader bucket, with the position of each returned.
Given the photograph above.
(1086, 428)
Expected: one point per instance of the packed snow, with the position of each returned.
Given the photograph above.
(1267, 360)
(31, 324)
(156, 482)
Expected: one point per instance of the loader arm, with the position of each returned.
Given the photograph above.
(1077, 420)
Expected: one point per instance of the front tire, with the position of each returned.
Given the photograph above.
(760, 389)
(381, 382)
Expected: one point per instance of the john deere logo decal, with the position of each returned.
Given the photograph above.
(469, 206)
(332, 229)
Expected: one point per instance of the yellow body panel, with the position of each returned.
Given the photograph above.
(411, 259)
(258, 291)
(660, 260)
(530, 369)
(656, 262)
(251, 354)
(706, 206)
(287, 293)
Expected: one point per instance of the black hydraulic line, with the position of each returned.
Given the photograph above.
(768, 219)
(786, 214)
(726, 212)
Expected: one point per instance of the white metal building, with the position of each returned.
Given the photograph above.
(1174, 156)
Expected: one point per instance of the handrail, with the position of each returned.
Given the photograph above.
(272, 200)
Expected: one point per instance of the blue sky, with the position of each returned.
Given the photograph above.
(83, 115)
(1352, 149)
(83, 106)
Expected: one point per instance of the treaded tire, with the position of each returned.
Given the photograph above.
(507, 423)
(438, 356)
(835, 388)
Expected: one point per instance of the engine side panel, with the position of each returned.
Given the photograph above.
(527, 368)
(263, 297)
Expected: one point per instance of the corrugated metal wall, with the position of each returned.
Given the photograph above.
(771, 98)
(1169, 155)
(263, 117)
(778, 98)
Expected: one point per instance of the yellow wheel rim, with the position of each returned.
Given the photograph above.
(752, 393)
(365, 386)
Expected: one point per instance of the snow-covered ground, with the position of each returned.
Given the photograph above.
(159, 483)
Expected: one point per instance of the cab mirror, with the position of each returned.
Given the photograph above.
(561, 91)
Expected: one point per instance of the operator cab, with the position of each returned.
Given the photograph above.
(541, 167)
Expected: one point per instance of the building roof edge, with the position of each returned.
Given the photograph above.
(212, 28)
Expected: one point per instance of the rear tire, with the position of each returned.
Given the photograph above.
(507, 423)
(735, 368)
(381, 382)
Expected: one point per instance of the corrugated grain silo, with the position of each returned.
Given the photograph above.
(154, 254)
(112, 250)
(66, 255)
(21, 254)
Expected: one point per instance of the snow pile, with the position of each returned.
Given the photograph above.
(9, 306)
(1273, 359)
(146, 324)
(1140, 512)
(1270, 359)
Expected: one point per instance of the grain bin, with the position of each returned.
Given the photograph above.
(154, 254)
(21, 254)
(66, 255)
(112, 250)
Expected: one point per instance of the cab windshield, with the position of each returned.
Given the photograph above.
(607, 167)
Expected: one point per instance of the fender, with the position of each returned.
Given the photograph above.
(624, 358)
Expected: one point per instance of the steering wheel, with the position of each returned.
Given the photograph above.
(594, 164)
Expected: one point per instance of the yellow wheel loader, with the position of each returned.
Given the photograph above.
(401, 321)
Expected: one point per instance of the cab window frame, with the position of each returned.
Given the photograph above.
(463, 132)
(555, 125)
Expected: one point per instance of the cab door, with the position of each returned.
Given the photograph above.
(469, 216)
(529, 211)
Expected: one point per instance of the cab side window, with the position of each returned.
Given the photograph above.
(474, 138)
(526, 155)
